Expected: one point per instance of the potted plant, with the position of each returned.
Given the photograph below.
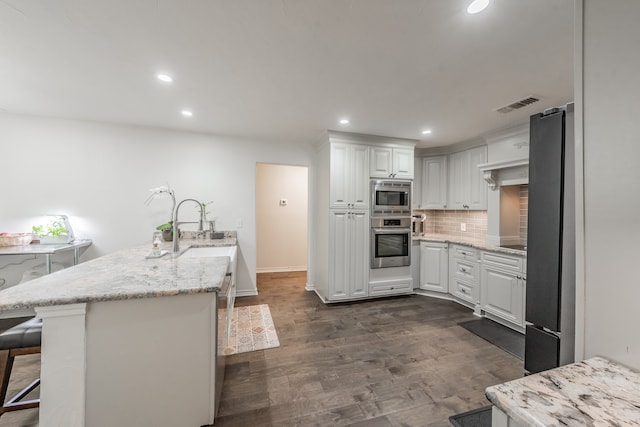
(167, 227)
(52, 232)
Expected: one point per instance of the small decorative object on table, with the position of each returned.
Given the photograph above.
(15, 239)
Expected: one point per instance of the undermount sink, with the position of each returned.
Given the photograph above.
(214, 251)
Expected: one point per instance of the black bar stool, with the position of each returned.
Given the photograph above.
(20, 340)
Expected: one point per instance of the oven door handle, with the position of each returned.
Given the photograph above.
(391, 230)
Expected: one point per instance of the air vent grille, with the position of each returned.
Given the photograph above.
(518, 104)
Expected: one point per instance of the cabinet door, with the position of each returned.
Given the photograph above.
(339, 250)
(434, 183)
(381, 162)
(433, 268)
(458, 180)
(416, 195)
(502, 294)
(402, 163)
(359, 164)
(340, 173)
(477, 185)
(359, 253)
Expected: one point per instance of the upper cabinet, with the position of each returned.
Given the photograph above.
(389, 162)
(349, 188)
(434, 183)
(467, 189)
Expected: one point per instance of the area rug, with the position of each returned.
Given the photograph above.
(480, 417)
(252, 329)
(498, 335)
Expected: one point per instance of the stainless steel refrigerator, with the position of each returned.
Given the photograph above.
(550, 306)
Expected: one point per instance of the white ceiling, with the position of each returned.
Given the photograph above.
(288, 69)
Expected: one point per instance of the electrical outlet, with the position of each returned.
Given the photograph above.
(463, 226)
(239, 223)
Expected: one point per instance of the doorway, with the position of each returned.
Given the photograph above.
(281, 221)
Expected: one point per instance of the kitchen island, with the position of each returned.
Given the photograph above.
(594, 392)
(128, 340)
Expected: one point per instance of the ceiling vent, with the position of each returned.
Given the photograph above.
(518, 104)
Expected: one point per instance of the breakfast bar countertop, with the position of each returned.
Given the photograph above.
(125, 274)
(594, 392)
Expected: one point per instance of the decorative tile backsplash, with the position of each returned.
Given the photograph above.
(524, 213)
(448, 222)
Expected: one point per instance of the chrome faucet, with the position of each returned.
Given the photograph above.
(176, 224)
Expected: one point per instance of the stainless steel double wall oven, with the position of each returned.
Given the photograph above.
(390, 223)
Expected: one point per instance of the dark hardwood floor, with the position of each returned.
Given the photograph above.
(400, 361)
(387, 362)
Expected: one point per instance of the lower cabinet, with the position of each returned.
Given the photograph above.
(434, 266)
(350, 255)
(503, 287)
(390, 287)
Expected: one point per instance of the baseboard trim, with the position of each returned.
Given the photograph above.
(250, 293)
(281, 269)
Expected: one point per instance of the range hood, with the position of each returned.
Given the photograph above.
(512, 172)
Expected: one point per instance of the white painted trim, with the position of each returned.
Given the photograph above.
(578, 90)
(249, 293)
(281, 269)
(309, 287)
(503, 164)
(63, 366)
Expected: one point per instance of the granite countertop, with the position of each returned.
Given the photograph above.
(594, 392)
(446, 238)
(125, 274)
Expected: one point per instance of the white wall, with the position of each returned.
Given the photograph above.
(100, 175)
(281, 229)
(611, 179)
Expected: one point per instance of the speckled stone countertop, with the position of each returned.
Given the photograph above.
(125, 274)
(594, 392)
(446, 238)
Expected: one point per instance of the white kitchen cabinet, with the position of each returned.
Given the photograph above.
(503, 287)
(416, 195)
(387, 162)
(415, 262)
(434, 183)
(349, 251)
(467, 188)
(464, 274)
(434, 259)
(349, 180)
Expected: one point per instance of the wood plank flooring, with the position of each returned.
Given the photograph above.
(386, 362)
(400, 361)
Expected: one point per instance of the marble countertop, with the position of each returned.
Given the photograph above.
(35, 248)
(594, 392)
(446, 238)
(125, 274)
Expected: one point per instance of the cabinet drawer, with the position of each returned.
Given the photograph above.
(463, 252)
(390, 287)
(464, 270)
(464, 290)
(510, 262)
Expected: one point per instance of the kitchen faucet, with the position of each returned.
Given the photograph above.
(176, 224)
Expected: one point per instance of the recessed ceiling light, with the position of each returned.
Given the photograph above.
(477, 6)
(344, 121)
(187, 113)
(426, 131)
(165, 78)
